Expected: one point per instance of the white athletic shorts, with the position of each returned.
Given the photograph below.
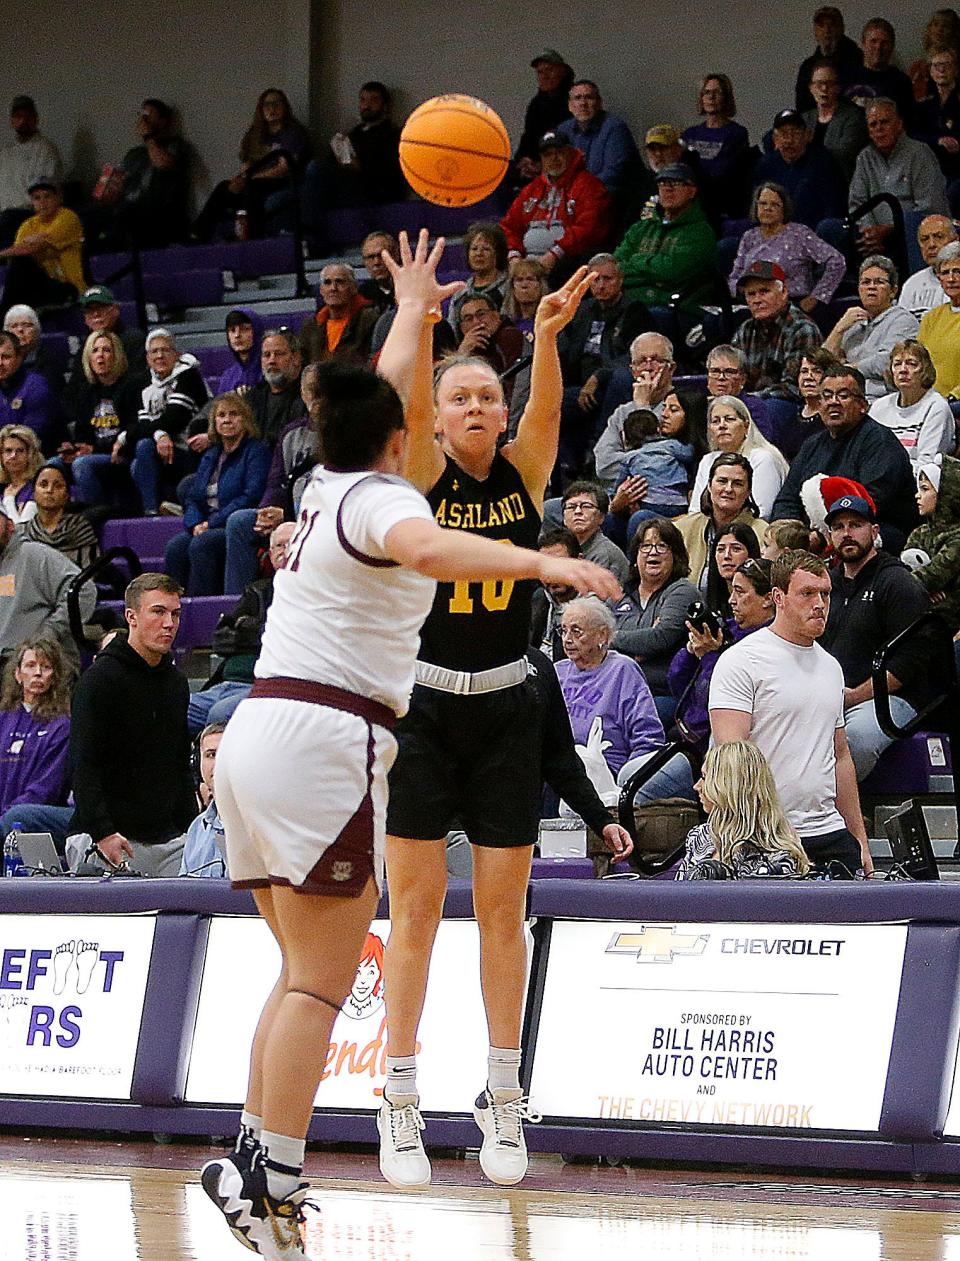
(302, 792)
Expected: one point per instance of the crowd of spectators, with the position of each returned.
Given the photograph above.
(755, 350)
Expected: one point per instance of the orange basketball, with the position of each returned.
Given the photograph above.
(454, 150)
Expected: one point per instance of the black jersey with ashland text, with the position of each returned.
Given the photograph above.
(478, 625)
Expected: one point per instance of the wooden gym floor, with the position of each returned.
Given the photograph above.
(78, 1200)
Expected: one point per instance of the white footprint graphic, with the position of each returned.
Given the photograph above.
(88, 952)
(62, 959)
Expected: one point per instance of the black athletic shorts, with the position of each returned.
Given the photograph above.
(471, 762)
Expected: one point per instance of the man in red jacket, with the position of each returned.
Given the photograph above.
(561, 217)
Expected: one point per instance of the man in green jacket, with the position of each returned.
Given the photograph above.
(673, 249)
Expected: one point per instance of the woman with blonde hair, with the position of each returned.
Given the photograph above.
(34, 730)
(20, 461)
(746, 829)
(731, 430)
(231, 476)
(528, 284)
(99, 410)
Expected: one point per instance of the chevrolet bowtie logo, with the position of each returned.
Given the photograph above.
(657, 944)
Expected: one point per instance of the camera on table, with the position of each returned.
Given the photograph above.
(704, 619)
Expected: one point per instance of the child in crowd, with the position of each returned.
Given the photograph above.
(933, 548)
(746, 832)
(784, 536)
(659, 451)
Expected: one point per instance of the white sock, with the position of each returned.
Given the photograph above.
(503, 1073)
(251, 1124)
(283, 1161)
(401, 1084)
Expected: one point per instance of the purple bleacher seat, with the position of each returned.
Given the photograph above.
(179, 258)
(454, 220)
(910, 766)
(203, 287)
(146, 536)
(402, 216)
(696, 383)
(273, 255)
(345, 228)
(199, 618)
(214, 361)
(446, 274)
(103, 265)
(455, 257)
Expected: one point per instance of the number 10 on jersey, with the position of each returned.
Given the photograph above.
(495, 593)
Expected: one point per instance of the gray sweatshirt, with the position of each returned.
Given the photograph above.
(34, 579)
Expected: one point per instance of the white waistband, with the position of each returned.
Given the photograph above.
(463, 683)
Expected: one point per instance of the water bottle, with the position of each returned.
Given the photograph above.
(12, 862)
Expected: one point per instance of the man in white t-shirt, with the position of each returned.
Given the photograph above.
(922, 291)
(781, 690)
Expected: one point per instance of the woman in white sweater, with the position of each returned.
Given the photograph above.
(919, 416)
(730, 429)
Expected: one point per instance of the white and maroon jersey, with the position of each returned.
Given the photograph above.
(343, 613)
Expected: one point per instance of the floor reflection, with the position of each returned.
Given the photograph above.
(51, 1213)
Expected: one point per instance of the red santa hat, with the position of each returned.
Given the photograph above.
(819, 493)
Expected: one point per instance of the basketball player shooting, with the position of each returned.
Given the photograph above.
(467, 746)
(301, 779)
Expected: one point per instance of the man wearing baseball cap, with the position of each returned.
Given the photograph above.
(45, 267)
(545, 111)
(30, 157)
(774, 339)
(874, 598)
(807, 172)
(672, 250)
(563, 215)
(101, 314)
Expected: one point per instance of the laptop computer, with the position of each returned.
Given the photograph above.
(39, 854)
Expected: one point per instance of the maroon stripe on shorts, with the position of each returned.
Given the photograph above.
(281, 688)
(347, 866)
(375, 562)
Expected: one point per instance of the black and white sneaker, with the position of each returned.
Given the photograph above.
(263, 1224)
(503, 1154)
(222, 1178)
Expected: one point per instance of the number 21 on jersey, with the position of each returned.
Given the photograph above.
(495, 593)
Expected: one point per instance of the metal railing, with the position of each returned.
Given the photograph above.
(641, 863)
(896, 246)
(942, 713)
(97, 566)
(268, 159)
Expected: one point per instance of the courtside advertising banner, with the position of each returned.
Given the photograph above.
(71, 1000)
(242, 963)
(719, 1024)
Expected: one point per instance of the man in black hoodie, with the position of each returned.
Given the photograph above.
(874, 598)
(129, 744)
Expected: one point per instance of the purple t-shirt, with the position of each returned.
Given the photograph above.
(617, 693)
